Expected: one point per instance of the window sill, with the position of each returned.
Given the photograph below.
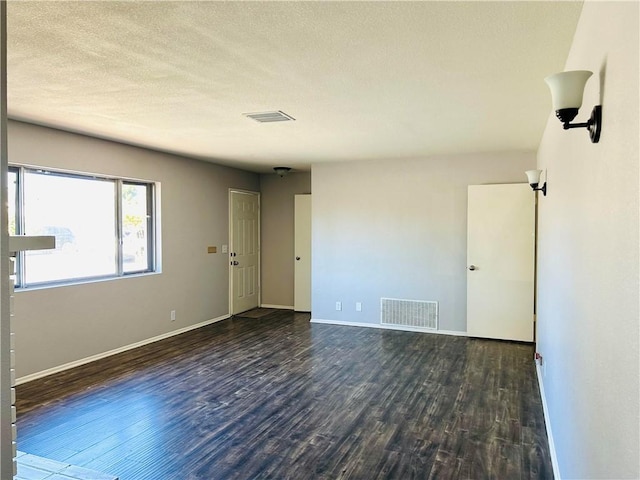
(74, 283)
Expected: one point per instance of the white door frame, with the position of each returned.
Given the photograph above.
(230, 249)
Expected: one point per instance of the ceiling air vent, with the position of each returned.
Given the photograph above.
(267, 117)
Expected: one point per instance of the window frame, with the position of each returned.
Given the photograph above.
(150, 224)
(152, 213)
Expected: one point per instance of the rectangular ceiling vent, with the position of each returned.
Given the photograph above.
(268, 117)
(417, 314)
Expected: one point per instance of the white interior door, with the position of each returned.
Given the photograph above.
(302, 247)
(244, 251)
(500, 261)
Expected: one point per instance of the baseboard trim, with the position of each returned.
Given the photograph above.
(93, 358)
(547, 424)
(280, 307)
(387, 327)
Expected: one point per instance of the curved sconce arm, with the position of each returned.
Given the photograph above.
(593, 124)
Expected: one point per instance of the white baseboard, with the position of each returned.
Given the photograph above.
(93, 358)
(280, 307)
(388, 327)
(547, 424)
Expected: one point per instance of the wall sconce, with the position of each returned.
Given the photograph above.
(281, 171)
(566, 92)
(534, 180)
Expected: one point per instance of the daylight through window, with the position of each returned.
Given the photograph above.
(103, 226)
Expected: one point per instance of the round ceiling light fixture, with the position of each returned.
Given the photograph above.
(281, 171)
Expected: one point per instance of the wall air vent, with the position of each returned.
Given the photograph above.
(268, 117)
(417, 314)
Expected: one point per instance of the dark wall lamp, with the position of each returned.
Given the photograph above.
(566, 92)
(534, 180)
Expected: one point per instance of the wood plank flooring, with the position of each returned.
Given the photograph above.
(280, 398)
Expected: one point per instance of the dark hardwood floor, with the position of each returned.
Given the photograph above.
(280, 398)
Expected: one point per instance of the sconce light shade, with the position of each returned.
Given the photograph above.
(567, 89)
(281, 171)
(533, 176)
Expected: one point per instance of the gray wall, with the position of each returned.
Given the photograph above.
(398, 229)
(588, 263)
(277, 235)
(55, 326)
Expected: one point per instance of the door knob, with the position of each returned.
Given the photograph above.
(235, 262)
(472, 267)
(297, 258)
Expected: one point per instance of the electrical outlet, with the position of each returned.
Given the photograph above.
(358, 306)
(338, 305)
(173, 315)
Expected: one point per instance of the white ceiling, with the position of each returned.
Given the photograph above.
(364, 80)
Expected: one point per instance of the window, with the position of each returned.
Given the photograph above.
(136, 201)
(103, 226)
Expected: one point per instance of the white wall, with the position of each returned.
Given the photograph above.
(588, 312)
(398, 229)
(55, 326)
(277, 235)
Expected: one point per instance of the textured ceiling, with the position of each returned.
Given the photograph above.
(364, 80)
